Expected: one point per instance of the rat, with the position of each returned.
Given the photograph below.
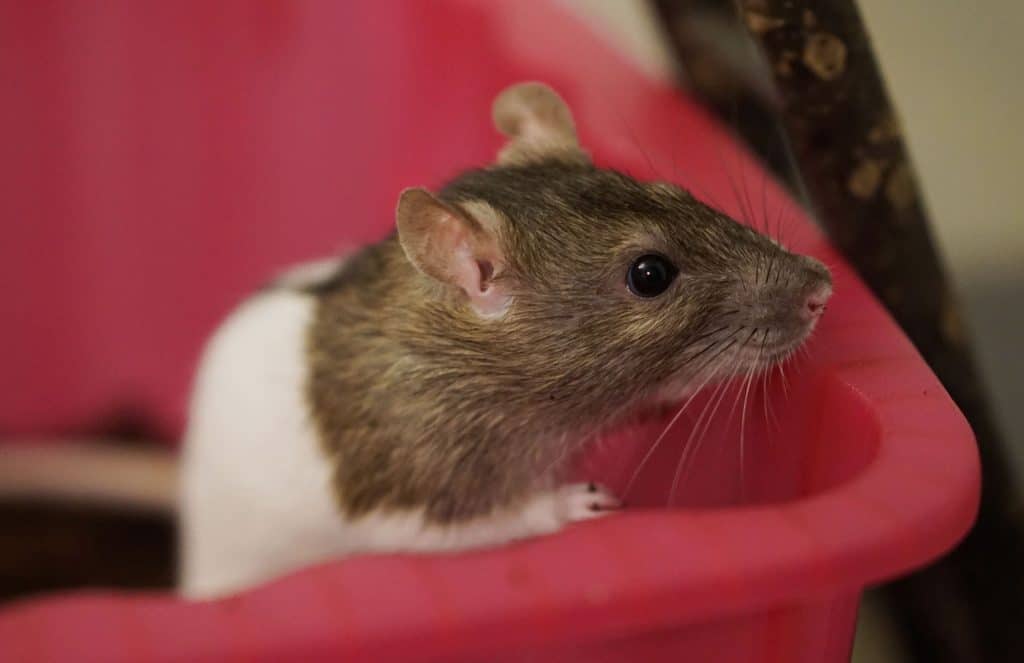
(424, 393)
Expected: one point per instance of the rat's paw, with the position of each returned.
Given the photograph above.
(583, 501)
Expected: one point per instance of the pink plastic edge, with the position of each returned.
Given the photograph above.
(802, 552)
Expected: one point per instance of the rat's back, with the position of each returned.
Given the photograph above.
(255, 484)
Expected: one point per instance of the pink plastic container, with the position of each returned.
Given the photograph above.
(165, 157)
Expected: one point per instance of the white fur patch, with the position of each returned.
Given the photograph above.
(310, 273)
(255, 486)
(256, 496)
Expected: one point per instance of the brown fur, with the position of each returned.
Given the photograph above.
(421, 403)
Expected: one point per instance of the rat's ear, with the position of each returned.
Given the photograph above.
(538, 124)
(453, 247)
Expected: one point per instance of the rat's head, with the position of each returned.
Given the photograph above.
(596, 280)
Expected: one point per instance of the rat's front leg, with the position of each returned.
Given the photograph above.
(578, 501)
(543, 513)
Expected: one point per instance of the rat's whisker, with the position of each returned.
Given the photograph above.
(636, 144)
(710, 346)
(715, 372)
(764, 198)
(731, 338)
(675, 150)
(769, 415)
(704, 196)
(732, 183)
(746, 193)
(747, 212)
(664, 432)
(752, 369)
(733, 366)
(785, 382)
(771, 264)
(796, 233)
(776, 221)
(777, 231)
(707, 334)
(720, 389)
(753, 366)
(691, 449)
(743, 429)
(679, 413)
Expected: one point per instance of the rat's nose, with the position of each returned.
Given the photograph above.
(814, 305)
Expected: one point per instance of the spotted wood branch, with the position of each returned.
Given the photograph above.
(848, 144)
(721, 67)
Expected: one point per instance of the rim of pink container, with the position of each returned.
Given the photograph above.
(640, 570)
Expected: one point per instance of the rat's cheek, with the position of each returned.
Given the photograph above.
(637, 331)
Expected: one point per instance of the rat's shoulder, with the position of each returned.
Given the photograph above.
(364, 267)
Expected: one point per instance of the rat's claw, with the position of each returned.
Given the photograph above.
(583, 501)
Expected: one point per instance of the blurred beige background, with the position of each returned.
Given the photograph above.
(954, 71)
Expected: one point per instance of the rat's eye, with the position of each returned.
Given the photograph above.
(650, 275)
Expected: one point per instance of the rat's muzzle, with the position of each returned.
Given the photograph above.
(783, 304)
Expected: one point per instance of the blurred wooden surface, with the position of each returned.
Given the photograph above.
(61, 543)
(45, 548)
